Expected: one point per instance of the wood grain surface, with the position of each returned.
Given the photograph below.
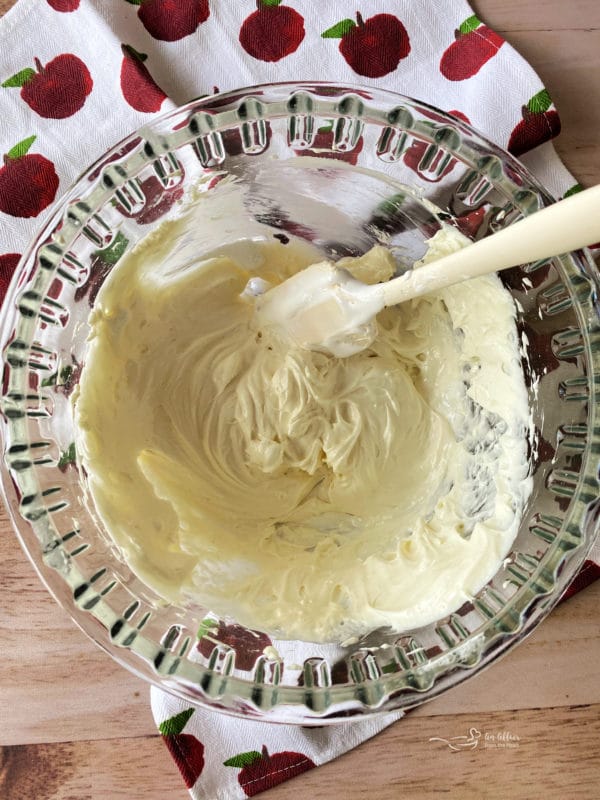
(76, 726)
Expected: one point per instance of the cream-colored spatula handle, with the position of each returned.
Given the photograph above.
(567, 225)
(323, 307)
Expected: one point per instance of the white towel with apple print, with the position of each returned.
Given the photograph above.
(78, 75)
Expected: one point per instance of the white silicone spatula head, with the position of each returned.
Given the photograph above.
(324, 308)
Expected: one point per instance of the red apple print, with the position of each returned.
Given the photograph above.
(187, 751)
(57, 90)
(470, 222)
(122, 151)
(460, 115)
(214, 181)
(64, 381)
(28, 182)
(539, 124)
(248, 645)
(272, 32)
(171, 20)
(542, 358)
(68, 458)
(64, 5)
(436, 169)
(438, 117)
(339, 673)
(158, 200)
(589, 573)
(232, 140)
(475, 44)
(433, 171)
(373, 47)
(262, 771)
(101, 263)
(137, 85)
(321, 147)
(188, 754)
(543, 450)
(8, 264)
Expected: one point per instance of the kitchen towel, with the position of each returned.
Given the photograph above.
(78, 75)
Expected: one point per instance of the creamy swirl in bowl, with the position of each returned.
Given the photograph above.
(308, 496)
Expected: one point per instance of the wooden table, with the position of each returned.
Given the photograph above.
(100, 741)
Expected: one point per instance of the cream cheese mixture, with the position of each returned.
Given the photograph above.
(308, 496)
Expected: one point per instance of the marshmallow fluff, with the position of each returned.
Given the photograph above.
(309, 496)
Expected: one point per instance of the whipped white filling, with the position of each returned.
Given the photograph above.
(308, 496)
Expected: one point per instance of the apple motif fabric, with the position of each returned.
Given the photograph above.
(222, 758)
(28, 181)
(64, 5)
(473, 47)
(58, 89)
(185, 748)
(139, 89)
(76, 76)
(272, 32)
(261, 771)
(78, 94)
(171, 20)
(372, 47)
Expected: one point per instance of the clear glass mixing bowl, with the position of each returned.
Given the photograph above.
(343, 168)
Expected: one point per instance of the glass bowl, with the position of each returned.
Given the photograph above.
(343, 168)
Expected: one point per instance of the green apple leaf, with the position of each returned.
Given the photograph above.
(174, 725)
(114, 251)
(540, 102)
(575, 189)
(19, 78)
(128, 50)
(68, 457)
(50, 380)
(270, 2)
(21, 148)
(243, 759)
(135, 2)
(339, 30)
(65, 374)
(207, 626)
(470, 24)
(390, 207)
